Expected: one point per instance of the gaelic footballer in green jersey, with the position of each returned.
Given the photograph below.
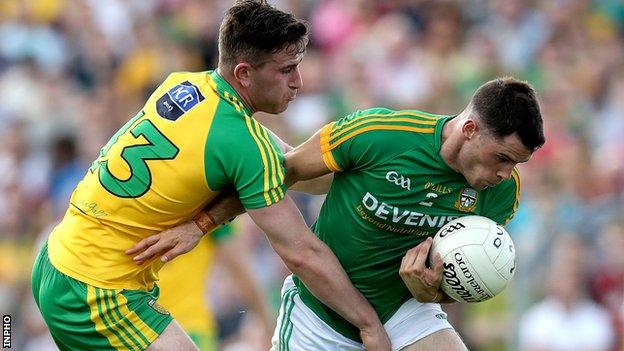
(391, 190)
(398, 177)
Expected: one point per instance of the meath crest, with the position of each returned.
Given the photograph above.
(467, 200)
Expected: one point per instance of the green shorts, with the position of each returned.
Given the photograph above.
(84, 317)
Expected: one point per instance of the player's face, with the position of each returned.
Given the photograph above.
(486, 161)
(275, 81)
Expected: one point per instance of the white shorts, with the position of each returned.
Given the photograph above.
(299, 329)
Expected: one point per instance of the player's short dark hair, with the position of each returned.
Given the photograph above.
(253, 29)
(507, 105)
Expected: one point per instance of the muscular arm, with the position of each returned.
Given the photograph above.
(302, 163)
(313, 262)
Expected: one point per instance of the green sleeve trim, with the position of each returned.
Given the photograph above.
(240, 153)
(273, 182)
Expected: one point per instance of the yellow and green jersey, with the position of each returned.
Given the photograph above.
(391, 190)
(193, 138)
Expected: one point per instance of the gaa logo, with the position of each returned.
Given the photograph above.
(394, 177)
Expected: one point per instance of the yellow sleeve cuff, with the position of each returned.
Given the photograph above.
(326, 150)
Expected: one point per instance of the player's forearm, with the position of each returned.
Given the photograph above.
(323, 275)
(314, 263)
(222, 209)
(316, 186)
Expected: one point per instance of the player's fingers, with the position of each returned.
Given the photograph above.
(151, 251)
(437, 268)
(437, 263)
(143, 244)
(142, 260)
(173, 253)
(408, 260)
(423, 252)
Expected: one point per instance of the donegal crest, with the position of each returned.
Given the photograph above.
(467, 200)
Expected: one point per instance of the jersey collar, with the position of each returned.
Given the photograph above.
(227, 92)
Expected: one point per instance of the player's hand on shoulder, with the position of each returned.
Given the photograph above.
(168, 244)
(422, 281)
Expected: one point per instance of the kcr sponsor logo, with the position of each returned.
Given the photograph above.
(403, 182)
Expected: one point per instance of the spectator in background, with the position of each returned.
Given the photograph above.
(67, 170)
(566, 320)
(607, 282)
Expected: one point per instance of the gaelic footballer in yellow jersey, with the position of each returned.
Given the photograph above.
(193, 138)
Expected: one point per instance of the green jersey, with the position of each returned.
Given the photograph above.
(391, 190)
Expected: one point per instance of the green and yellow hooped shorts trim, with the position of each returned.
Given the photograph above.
(84, 317)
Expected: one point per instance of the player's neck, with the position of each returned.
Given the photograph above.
(451, 141)
(240, 90)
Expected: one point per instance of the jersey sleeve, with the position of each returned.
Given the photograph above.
(369, 136)
(502, 203)
(245, 157)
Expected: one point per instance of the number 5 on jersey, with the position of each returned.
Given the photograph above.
(140, 180)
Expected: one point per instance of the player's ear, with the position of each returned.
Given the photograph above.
(242, 73)
(470, 128)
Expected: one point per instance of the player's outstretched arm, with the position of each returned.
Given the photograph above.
(314, 263)
(306, 160)
(180, 239)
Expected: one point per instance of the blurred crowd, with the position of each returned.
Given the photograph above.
(73, 71)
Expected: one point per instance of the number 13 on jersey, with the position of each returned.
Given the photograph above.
(158, 147)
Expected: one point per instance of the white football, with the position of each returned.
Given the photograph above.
(478, 258)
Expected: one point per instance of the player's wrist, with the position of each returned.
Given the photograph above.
(369, 321)
(436, 297)
(204, 221)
